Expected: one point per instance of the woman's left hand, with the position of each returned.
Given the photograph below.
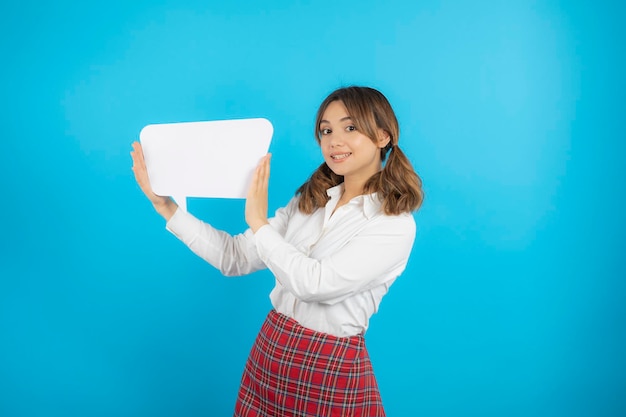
(256, 201)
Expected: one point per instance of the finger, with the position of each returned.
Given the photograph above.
(266, 174)
(140, 157)
(266, 178)
(138, 165)
(137, 155)
(139, 169)
(260, 178)
(253, 182)
(139, 149)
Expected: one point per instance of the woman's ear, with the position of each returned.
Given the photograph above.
(383, 138)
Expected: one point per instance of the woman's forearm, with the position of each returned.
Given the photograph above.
(166, 209)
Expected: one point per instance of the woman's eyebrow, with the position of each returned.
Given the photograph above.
(343, 119)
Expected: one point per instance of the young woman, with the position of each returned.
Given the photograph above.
(335, 250)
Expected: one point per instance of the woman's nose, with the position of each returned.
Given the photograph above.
(335, 140)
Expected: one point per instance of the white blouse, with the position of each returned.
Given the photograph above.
(331, 271)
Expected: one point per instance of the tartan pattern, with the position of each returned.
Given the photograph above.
(296, 371)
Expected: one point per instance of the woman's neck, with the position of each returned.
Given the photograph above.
(353, 186)
(351, 189)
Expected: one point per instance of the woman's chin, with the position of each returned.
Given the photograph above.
(336, 171)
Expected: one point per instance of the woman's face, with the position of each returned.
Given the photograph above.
(348, 152)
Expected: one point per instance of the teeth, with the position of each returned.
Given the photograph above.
(342, 156)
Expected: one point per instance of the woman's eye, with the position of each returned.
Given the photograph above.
(325, 131)
(351, 128)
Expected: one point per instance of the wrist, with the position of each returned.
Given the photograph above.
(165, 208)
(255, 227)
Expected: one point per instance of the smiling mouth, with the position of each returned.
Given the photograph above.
(341, 156)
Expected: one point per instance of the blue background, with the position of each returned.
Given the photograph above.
(511, 111)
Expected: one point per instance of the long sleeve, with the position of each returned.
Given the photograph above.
(331, 267)
(231, 255)
(368, 256)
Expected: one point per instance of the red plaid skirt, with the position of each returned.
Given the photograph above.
(295, 371)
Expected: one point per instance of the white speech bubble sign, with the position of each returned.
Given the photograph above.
(212, 159)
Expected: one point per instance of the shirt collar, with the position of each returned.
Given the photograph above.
(369, 203)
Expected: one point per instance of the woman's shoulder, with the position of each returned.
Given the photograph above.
(374, 204)
(404, 218)
(402, 223)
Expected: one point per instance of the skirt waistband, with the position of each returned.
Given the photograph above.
(292, 326)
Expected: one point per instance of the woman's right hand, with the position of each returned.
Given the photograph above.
(165, 206)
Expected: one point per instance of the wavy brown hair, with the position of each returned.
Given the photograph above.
(397, 184)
